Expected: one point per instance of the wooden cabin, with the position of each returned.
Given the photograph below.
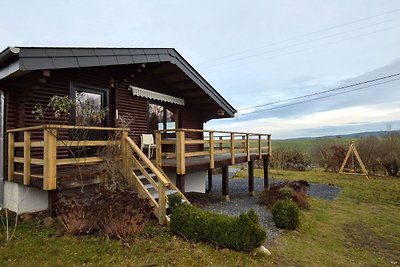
(156, 87)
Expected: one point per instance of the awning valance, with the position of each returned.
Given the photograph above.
(137, 91)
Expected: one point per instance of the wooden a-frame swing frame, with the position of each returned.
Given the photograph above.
(353, 149)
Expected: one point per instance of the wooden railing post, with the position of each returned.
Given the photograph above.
(248, 147)
(232, 148)
(162, 204)
(220, 143)
(11, 157)
(269, 145)
(180, 152)
(211, 143)
(125, 154)
(158, 149)
(27, 158)
(50, 159)
(259, 147)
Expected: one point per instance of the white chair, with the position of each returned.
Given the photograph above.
(147, 141)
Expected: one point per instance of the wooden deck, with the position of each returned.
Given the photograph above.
(202, 163)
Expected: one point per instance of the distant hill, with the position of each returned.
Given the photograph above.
(345, 136)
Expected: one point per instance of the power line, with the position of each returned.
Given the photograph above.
(298, 44)
(321, 97)
(322, 92)
(231, 67)
(303, 35)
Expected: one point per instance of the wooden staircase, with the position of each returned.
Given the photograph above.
(150, 181)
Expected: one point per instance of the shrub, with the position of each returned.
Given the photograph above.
(286, 192)
(285, 214)
(243, 233)
(296, 191)
(114, 214)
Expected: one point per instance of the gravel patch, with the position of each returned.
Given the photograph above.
(240, 201)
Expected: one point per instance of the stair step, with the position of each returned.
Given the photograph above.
(141, 176)
(167, 192)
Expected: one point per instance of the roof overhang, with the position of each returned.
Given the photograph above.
(17, 59)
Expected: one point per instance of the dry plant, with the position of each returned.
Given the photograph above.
(113, 177)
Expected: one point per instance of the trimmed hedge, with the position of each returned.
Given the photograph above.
(285, 214)
(243, 233)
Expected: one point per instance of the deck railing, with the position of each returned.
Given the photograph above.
(52, 138)
(211, 143)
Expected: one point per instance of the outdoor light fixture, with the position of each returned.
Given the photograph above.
(46, 73)
(220, 112)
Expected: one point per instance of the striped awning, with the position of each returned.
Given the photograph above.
(137, 91)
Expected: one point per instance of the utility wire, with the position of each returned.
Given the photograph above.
(321, 92)
(302, 35)
(232, 67)
(298, 44)
(321, 97)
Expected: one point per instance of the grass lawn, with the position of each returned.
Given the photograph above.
(360, 227)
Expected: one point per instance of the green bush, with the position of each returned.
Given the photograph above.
(243, 233)
(285, 214)
(286, 192)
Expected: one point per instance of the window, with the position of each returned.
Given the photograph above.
(162, 117)
(91, 105)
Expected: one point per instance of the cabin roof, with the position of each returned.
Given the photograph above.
(20, 59)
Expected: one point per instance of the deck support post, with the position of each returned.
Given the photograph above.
(180, 182)
(52, 199)
(266, 176)
(225, 183)
(209, 189)
(251, 178)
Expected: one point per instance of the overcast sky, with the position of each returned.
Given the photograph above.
(252, 52)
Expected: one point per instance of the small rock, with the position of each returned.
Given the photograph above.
(48, 221)
(263, 250)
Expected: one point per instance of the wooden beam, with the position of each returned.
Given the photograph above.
(27, 158)
(212, 163)
(232, 140)
(210, 180)
(10, 156)
(158, 149)
(162, 204)
(50, 159)
(180, 182)
(225, 183)
(251, 177)
(180, 152)
(259, 147)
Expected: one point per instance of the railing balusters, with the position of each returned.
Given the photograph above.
(259, 147)
(232, 148)
(248, 147)
(158, 149)
(180, 152)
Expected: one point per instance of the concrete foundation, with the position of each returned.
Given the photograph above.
(24, 199)
(194, 182)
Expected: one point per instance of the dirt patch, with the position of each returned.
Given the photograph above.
(365, 238)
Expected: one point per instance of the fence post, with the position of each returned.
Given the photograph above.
(211, 151)
(161, 204)
(248, 147)
(158, 149)
(259, 147)
(125, 155)
(11, 157)
(27, 158)
(180, 152)
(50, 159)
(232, 148)
(269, 145)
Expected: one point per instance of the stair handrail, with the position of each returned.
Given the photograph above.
(147, 161)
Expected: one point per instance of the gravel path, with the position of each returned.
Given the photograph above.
(241, 202)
